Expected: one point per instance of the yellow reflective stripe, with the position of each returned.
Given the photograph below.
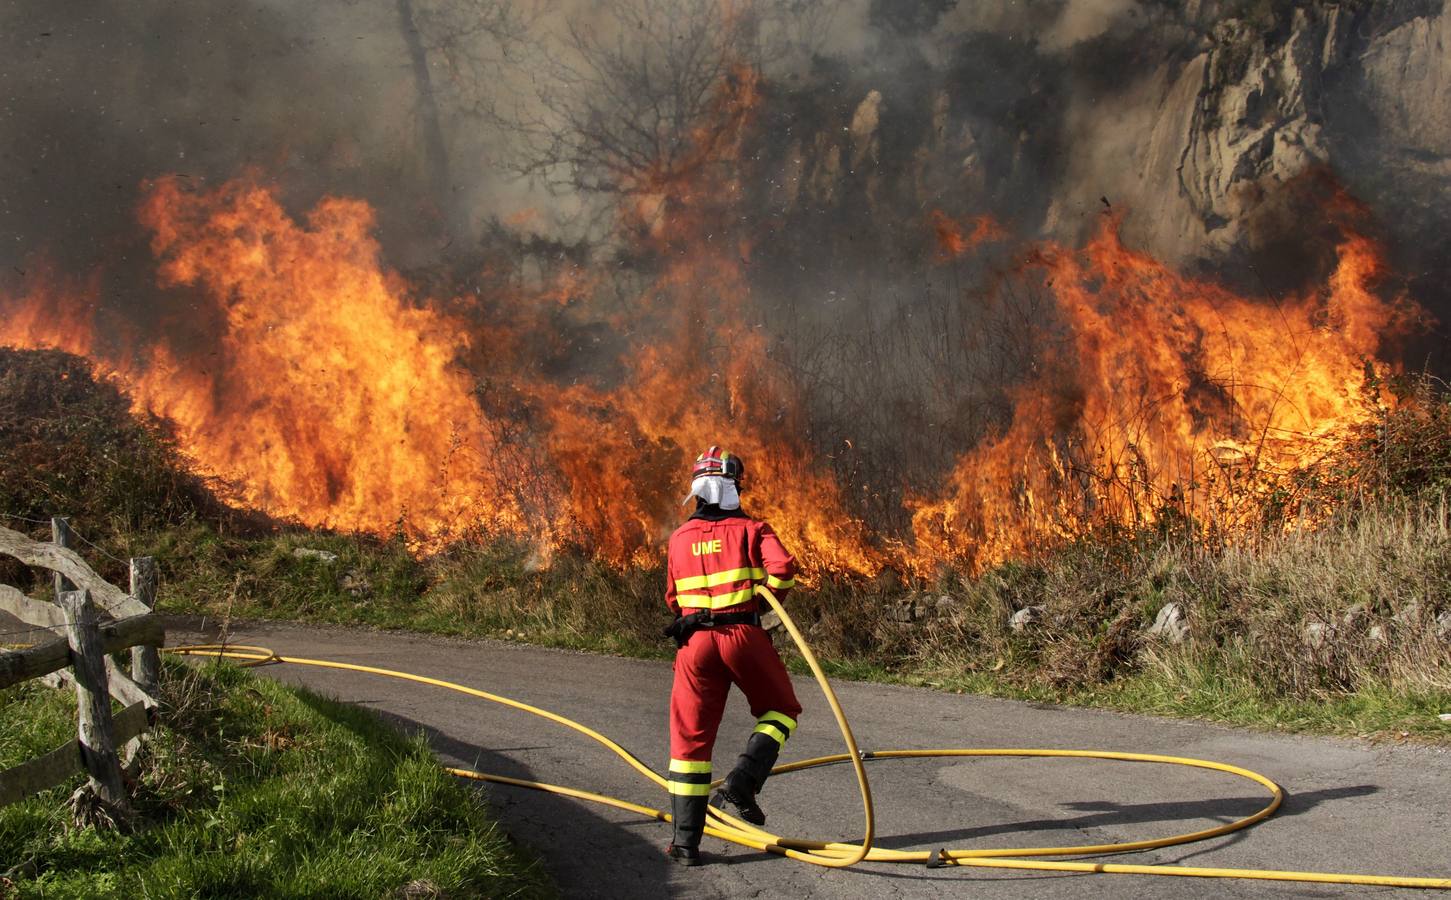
(775, 725)
(772, 730)
(688, 790)
(717, 578)
(689, 766)
(719, 601)
(779, 583)
(784, 719)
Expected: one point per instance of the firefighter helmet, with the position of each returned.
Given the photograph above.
(715, 461)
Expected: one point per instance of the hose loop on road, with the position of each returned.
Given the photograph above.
(840, 854)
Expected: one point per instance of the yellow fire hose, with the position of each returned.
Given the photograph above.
(839, 854)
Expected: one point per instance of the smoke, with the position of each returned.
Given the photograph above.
(318, 96)
(1083, 20)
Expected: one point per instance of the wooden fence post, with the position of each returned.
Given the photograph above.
(60, 535)
(145, 661)
(95, 729)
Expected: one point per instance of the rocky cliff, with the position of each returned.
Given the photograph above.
(1201, 120)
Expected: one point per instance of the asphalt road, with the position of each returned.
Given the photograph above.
(1352, 806)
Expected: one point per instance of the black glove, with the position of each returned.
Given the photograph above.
(684, 626)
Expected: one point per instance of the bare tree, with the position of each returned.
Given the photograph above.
(623, 101)
(457, 50)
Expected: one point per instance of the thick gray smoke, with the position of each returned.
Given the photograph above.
(98, 96)
(1187, 114)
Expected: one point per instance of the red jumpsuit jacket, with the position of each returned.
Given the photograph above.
(715, 564)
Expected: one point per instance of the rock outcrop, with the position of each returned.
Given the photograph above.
(1195, 136)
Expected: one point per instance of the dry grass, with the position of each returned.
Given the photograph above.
(1354, 613)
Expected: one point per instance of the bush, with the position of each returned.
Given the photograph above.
(69, 445)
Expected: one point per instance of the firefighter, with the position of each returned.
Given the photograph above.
(715, 561)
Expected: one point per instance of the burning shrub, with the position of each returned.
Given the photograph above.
(70, 446)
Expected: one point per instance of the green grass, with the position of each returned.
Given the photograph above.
(1238, 670)
(256, 789)
(1245, 666)
(1202, 692)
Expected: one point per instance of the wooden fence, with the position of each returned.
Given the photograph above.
(97, 619)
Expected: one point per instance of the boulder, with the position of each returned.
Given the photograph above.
(1355, 616)
(323, 556)
(904, 610)
(1317, 635)
(1026, 618)
(1409, 614)
(354, 582)
(1170, 624)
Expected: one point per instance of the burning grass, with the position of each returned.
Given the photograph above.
(1372, 576)
(322, 387)
(251, 788)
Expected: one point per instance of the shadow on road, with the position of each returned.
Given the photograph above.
(1104, 814)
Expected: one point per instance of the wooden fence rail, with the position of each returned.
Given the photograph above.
(53, 768)
(42, 659)
(82, 659)
(68, 563)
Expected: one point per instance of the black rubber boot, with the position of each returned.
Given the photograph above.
(748, 777)
(686, 856)
(689, 815)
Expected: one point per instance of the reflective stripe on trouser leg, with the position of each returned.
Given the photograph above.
(764, 745)
(754, 766)
(689, 778)
(689, 785)
(776, 725)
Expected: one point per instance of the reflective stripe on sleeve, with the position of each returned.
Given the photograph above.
(777, 583)
(719, 601)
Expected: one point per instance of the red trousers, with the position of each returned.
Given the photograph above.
(705, 669)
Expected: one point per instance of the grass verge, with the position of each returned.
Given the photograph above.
(1379, 583)
(251, 789)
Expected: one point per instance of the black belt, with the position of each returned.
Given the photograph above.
(683, 626)
(736, 618)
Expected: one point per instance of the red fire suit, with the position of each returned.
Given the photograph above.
(715, 560)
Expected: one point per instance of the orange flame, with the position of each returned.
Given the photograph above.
(331, 398)
(1168, 394)
(952, 242)
(706, 377)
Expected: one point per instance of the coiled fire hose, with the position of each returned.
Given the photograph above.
(837, 854)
